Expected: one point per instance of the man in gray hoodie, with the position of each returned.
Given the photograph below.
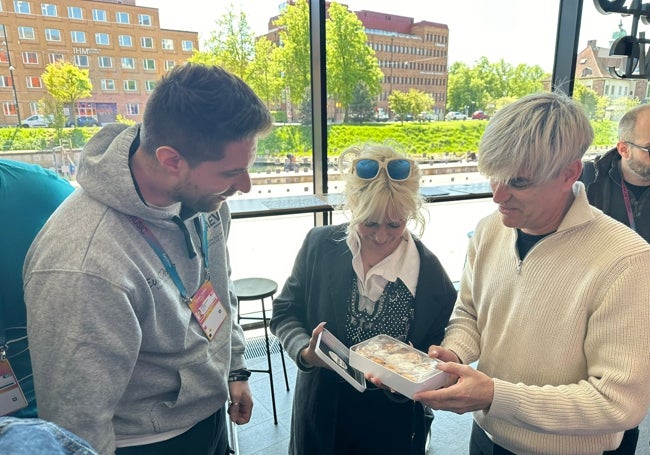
(130, 307)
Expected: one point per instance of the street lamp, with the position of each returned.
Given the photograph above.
(11, 71)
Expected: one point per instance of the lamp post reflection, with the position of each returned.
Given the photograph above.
(11, 72)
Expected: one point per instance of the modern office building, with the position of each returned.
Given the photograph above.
(412, 55)
(119, 43)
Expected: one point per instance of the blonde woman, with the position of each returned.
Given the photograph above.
(363, 278)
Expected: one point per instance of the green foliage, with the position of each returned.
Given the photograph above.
(417, 139)
(124, 120)
(295, 51)
(411, 103)
(231, 45)
(43, 138)
(67, 84)
(479, 87)
(362, 104)
(266, 76)
(350, 61)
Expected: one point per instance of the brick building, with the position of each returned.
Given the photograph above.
(592, 70)
(412, 55)
(120, 43)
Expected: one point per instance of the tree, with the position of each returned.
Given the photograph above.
(53, 109)
(67, 84)
(483, 84)
(412, 103)
(350, 61)
(362, 106)
(295, 55)
(265, 76)
(231, 46)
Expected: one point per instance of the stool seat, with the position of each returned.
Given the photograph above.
(254, 288)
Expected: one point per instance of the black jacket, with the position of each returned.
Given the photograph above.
(605, 193)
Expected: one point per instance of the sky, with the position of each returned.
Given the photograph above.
(517, 31)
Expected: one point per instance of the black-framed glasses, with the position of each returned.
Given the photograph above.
(645, 149)
(396, 168)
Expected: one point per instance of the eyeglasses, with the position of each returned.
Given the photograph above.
(645, 149)
(396, 168)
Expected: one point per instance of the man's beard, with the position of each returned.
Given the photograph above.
(188, 195)
(640, 169)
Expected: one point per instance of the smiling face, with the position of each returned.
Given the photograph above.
(536, 209)
(381, 239)
(205, 186)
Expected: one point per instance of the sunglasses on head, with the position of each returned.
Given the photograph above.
(396, 168)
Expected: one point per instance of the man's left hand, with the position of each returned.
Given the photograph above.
(474, 391)
(241, 402)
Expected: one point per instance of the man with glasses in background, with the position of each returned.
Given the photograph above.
(550, 303)
(623, 174)
(622, 178)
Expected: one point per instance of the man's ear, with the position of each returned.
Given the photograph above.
(572, 172)
(169, 158)
(623, 149)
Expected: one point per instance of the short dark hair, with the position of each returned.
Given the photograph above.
(199, 109)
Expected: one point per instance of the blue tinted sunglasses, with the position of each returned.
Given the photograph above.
(396, 168)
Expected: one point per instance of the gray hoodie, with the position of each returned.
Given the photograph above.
(115, 351)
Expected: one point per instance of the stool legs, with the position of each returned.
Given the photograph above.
(269, 370)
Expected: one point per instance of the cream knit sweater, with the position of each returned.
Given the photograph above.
(565, 333)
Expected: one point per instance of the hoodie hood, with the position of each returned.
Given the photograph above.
(104, 172)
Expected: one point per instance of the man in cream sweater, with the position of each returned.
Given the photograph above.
(553, 302)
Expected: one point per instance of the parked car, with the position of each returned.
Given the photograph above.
(479, 115)
(455, 115)
(36, 121)
(84, 121)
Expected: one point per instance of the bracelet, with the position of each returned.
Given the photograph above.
(239, 375)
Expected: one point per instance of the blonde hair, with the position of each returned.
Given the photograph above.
(535, 137)
(380, 199)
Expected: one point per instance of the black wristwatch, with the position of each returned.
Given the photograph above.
(239, 375)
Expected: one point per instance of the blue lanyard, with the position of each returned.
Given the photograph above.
(164, 257)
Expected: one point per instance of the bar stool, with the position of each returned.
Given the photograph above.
(248, 289)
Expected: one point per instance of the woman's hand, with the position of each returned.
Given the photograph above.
(308, 355)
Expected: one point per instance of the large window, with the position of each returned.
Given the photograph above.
(26, 33)
(146, 42)
(122, 18)
(105, 61)
(22, 7)
(48, 9)
(102, 39)
(149, 64)
(167, 44)
(144, 20)
(78, 36)
(30, 58)
(130, 85)
(99, 15)
(81, 61)
(34, 82)
(108, 85)
(125, 40)
(128, 63)
(52, 34)
(75, 12)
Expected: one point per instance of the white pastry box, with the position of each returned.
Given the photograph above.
(398, 365)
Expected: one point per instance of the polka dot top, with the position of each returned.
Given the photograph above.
(392, 314)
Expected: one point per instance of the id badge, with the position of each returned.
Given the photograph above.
(12, 397)
(208, 309)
